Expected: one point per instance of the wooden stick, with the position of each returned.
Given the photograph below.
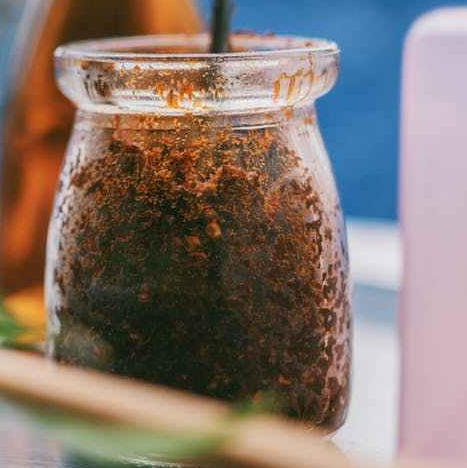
(263, 442)
(221, 18)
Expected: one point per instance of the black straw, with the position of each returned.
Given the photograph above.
(221, 19)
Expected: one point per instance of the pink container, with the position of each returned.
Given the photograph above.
(433, 316)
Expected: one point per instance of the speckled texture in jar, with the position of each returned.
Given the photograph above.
(205, 256)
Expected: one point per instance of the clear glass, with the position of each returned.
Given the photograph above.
(197, 239)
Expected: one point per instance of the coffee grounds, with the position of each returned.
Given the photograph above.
(203, 259)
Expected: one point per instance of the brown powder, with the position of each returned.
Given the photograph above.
(203, 258)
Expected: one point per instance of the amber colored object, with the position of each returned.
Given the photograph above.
(38, 118)
(27, 308)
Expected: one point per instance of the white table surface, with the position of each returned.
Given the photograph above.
(376, 259)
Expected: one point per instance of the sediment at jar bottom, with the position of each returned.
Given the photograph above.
(203, 260)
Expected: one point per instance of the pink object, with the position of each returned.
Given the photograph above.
(433, 316)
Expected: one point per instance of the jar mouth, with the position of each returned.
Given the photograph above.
(194, 46)
(174, 74)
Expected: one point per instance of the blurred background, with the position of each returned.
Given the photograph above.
(360, 124)
(362, 138)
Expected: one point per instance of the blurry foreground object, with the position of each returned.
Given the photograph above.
(433, 208)
(38, 119)
(113, 419)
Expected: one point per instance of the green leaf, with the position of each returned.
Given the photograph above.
(112, 443)
(10, 329)
(117, 443)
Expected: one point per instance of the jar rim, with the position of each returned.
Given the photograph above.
(264, 73)
(126, 48)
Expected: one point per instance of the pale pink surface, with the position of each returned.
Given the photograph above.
(433, 316)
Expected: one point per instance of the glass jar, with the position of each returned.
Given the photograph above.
(197, 239)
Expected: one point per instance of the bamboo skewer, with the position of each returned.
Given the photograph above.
(259, 441)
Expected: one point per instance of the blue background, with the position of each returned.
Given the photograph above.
(359, 118)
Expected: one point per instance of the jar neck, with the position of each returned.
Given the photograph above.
(305, 114)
